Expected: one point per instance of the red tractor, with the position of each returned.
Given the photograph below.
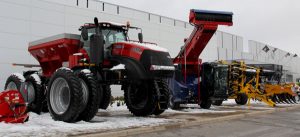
(77, 71)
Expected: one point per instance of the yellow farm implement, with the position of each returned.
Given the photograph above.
(257, 84)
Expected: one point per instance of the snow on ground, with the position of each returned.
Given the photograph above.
(195, 109)
(112, 118)
(198, 111)
(43, 125)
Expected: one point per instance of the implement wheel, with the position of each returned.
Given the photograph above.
(35, 93)
(217, 102)
(65, 96)
(206, 104)
(14, 82)
(241, 99)
(140, 98)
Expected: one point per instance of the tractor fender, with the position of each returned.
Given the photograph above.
(134, 69)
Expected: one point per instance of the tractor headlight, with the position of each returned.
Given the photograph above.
(158, 67)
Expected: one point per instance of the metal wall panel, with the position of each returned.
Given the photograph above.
(28, 20)
(222, 53)
(227, 41)
(240, 44)
(112, 9)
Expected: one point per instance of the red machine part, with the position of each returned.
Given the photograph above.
(53, 51)
(202, 33)
(206, 24)
(13, 107)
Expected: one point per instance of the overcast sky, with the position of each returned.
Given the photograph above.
(274, 22)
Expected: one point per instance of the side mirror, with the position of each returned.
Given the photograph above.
(140, 35)
(84, 34)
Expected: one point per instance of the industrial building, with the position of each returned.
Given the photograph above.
(23, 21)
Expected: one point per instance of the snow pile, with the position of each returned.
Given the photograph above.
(36, 78)
(86, 71)
(149, 46)
(118, 67)
(65, 68)
(20, 76)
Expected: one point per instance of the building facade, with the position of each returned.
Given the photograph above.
(23, 21)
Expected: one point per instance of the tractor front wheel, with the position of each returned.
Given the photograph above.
(104, 103)
(140, 98)
(65, 96)
(162, 105)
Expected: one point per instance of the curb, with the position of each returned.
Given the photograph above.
(140, 130)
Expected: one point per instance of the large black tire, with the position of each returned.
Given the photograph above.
(165, 95)
(141, 98)
(241, 99)
(106, 97)
(91, 105)
(14, 81)
(45, 107)
(217, 102)
(206, 104)
(72, 93)
(33, 83)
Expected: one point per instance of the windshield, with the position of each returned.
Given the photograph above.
(110, 35)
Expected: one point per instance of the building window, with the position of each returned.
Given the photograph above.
(102, 6)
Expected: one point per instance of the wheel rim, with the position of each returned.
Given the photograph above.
(171, 103)
(60, 96)
(12, 86)
(138, 98)
(30, 92)
(85, 92)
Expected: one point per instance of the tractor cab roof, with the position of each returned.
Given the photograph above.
(109, 24)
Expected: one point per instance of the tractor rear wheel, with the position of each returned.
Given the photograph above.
(141, 98)
(217, 102)
(206, 104)
(65, 97)
(241, 99)
(106, 97)
(164, 98)
(91, 96)
(35, 94)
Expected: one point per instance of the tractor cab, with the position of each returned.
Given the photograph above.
(110, 32)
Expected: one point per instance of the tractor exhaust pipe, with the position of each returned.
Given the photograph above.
(210, 17)
(97, 45)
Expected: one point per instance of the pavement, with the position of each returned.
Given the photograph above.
(229, 120)
(280, 124)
